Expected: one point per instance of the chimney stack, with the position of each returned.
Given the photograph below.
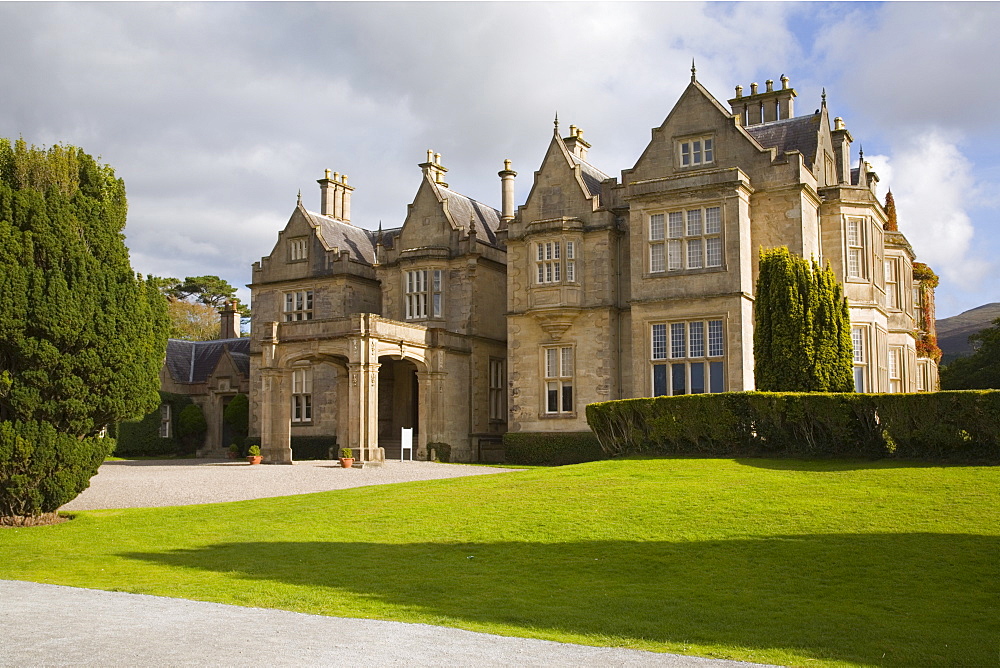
(335, 196)
(506, 194)
(575, 143)
(771, 105)
(230, 321)
(433, 168)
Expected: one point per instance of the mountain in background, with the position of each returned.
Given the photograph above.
(953, 333)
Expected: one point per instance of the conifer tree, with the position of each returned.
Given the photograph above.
(802, 333)
(82, 338)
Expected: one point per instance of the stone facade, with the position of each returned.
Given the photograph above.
(467, 321)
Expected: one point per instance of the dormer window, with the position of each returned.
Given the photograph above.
(423, 296)
(298, 249)
(696, 151)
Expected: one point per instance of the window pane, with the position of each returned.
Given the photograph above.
(656, 227)
(555, 247)
(694, 222)
(685, 154)
(694, 253)
(716, 380)
(678, 344)
(552, 405)
(708, 151)
(551, 363)
(859, 379)
(567, 397)
(676, 225)
(696, 151)
(678, 371)
(696, 339)
(852, 233)
(713, 220)
(659, 342)
(556, 267)
(713, 252)
(656, 257)
(858, 339)
(570, 250)
(567, 362)
(570, 270)
(659, 380)
(541, 273)
(674, 255)
(716, 346)
(437, 280)
(697, 377)
(437, 304)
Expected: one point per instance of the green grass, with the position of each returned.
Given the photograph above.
(788, 562)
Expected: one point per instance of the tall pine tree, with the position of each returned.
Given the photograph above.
(802, 333)
(82, 338)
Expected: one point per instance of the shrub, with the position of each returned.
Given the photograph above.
(941, 425)
(41, 469)
(442, 451)
(237, 416)
(314, 447)
(551, 449)
(191, 425)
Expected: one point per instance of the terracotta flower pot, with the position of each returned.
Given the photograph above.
(347, 463)
(254, 459)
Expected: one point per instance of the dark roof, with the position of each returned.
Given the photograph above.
(338, 234)
(194, 361)
(592, 176)
(791, 134)
(462, 209)
(389, 236)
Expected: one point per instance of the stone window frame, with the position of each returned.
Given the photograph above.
(893, 284)
(896, 368)
(857, 248)
(672, 233)
(297, 305)
(558, 381)
(423, 293)
(497, 389)
(298, 249)
(302, 386)
(555, 260)
(861, 356)
(696, 151)
(166, 421)
(700, 349)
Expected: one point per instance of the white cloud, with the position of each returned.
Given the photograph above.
(933, 185)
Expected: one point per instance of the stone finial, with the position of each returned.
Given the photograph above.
(823, 97)
(300, 197)
(694, 72)
(784, 82)
(555, 123)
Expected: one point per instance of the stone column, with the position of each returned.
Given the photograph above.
(276, 418)
(425, 390)
(363, 398)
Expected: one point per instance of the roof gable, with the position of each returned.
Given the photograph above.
(196, 361)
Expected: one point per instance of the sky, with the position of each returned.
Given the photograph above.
(217, 114)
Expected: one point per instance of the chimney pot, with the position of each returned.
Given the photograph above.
(753, 88)
(784, 82)
(770, 85)
(739, 91)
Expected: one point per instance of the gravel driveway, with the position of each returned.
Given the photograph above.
(182, 482)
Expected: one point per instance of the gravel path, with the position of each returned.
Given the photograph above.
(49, 625)
(181, 482)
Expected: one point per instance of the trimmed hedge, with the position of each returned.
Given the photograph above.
(962, 425)
(551, 449)
(305, 447)
(142, 438)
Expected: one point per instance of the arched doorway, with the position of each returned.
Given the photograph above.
(398, 403)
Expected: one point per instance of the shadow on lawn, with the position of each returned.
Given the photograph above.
(835, 464)
(901, 599)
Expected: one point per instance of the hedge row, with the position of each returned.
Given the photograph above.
(305, 447)
(142, 438)
(551, 449)
(962, 425)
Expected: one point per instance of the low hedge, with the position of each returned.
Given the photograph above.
(962, 425)
(305, 447)
(551, 449)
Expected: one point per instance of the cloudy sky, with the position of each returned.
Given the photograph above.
(217, 114)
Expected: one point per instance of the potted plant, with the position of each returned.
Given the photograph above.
(347, 458)
(253, 455)
(234, 451)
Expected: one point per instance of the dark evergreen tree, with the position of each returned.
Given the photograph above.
(802, 333)
(82, 338)
(981, 369)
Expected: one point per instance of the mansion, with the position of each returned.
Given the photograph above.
(466, 322)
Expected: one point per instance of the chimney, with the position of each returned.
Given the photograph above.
(842, 139)
(575, 143)
(506, 194)
(433, 169)
(335, 196)
(771, 105)
(230, 321)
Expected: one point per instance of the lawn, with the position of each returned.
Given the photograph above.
(787, 562)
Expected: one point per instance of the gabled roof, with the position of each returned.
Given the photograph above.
(463, 209)
(194, 361)
(338, 234)
(791, 134)
(592, 176)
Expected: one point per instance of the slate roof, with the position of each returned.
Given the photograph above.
(462, 208)
(337, 234)
(791, 134)
(194, 361)
(592, 176)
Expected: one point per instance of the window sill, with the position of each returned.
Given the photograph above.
(668, 273)
(557, 416)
